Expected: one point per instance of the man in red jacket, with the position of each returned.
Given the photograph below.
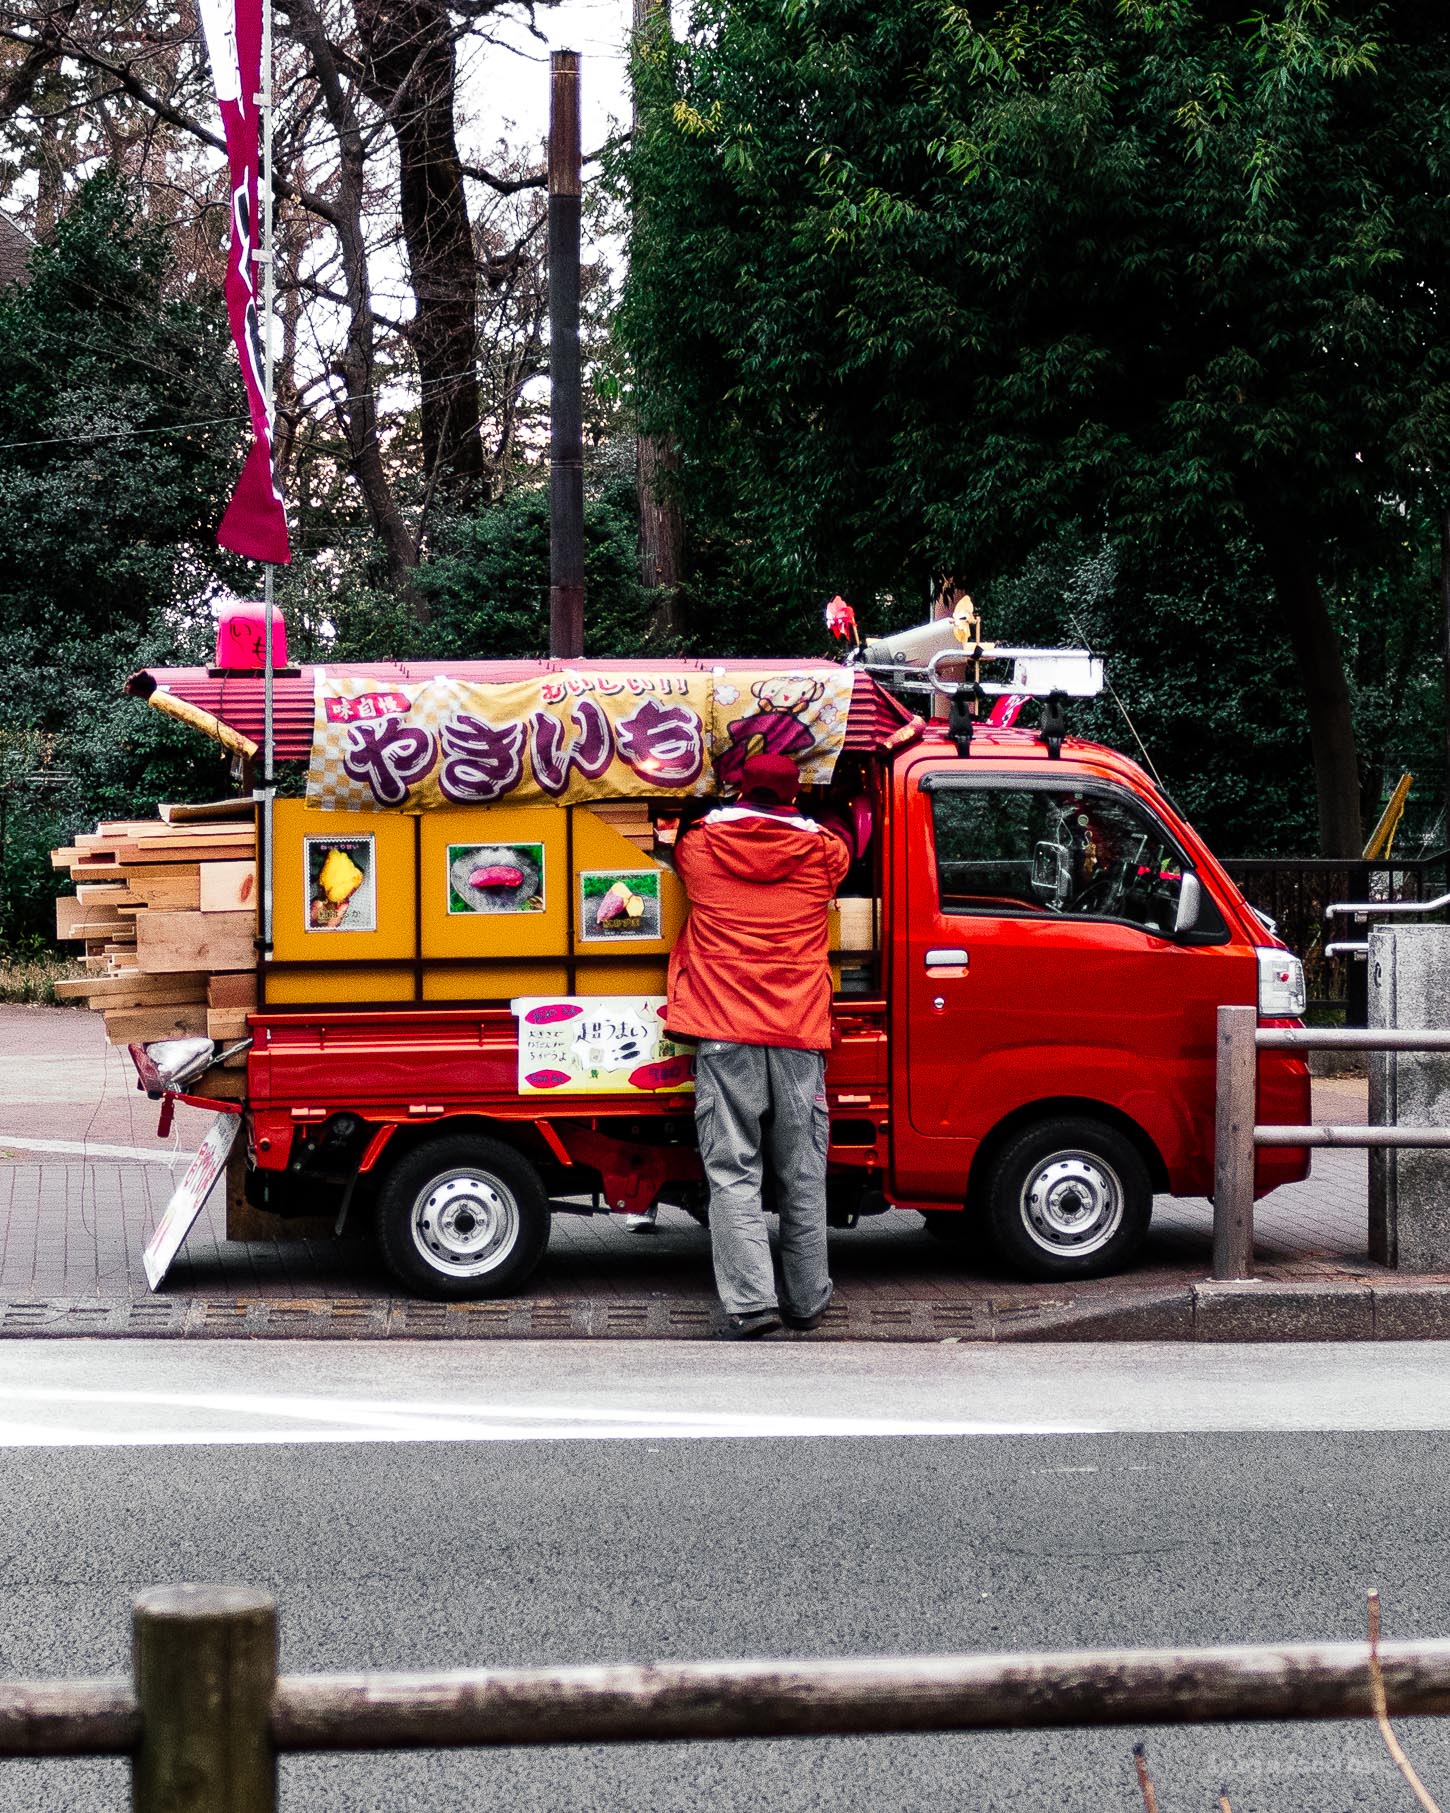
(750, 979)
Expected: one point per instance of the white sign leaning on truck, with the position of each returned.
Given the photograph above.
(188, 1197)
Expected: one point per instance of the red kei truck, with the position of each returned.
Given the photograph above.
(1026, 1056)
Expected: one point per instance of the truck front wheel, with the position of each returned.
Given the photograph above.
(463, 1216)
(1069, 1198)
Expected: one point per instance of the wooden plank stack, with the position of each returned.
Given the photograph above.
(630, 817)
(167, 911)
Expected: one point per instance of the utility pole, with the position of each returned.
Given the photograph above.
(566, 401)
(661, 528)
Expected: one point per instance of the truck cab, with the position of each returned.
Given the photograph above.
(1059, 943)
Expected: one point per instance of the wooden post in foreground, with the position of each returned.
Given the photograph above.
(205, 1659)
(1233, 1161)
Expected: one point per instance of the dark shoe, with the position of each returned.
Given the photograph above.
(804, 1324)
(750, 1328)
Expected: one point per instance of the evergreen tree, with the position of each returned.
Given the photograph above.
(917, 286)
(121, 430)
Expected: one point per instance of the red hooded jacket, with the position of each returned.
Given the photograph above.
(753, 962)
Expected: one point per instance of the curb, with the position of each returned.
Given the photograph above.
(1340, 1309)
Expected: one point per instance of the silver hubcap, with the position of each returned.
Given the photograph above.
(1072, 1203)
(465, 1223)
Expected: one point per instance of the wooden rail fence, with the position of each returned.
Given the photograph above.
(1240, 1040)
(205, 1716)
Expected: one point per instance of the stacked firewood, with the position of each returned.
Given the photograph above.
(167, 912)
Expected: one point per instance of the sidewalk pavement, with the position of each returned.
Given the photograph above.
(83, 1182)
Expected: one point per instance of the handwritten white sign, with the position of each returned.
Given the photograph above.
(189, 1196)
(599, 1045)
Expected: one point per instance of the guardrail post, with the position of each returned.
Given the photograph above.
(1233, 1159)
(206, 1669)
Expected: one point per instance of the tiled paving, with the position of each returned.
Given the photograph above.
(72, 1227)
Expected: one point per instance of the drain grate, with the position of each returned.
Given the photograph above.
(153, 1315)
(689, 1321)
(636, 1316)
(961, 1319)
(214, 1313)
(482, 1318)
(26, 1315)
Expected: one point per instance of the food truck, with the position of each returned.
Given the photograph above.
(445, 1012)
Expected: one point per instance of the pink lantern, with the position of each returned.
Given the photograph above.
(241, 636)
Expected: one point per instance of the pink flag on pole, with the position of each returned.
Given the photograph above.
(255, 523)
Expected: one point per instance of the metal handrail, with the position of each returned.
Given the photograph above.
(1236, 1137)
(1336, 908)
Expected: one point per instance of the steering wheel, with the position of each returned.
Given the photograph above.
(1103, 892)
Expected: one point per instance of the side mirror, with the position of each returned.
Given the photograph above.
(1052, 873)
(1190, 904)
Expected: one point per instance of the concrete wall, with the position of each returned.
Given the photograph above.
(1409, 1192)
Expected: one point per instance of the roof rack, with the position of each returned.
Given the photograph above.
(920, 661)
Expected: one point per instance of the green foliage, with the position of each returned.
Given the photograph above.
(108, 561)
(106, 531)
(919, 287)
(487, 588)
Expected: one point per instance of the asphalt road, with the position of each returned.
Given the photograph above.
(513, 1504)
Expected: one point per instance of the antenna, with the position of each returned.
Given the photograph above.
(1132, 727)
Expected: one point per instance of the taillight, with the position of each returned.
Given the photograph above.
(1281, 986)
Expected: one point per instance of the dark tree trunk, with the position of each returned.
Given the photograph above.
(357, 410)
(409, 71)
(661, 533)
(1445, 647)
(661, 526)
(1320, 660)
(1372, 679)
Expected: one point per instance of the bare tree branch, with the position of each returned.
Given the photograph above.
(44, 48)
(511, 185)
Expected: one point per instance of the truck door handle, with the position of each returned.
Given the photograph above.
(947, 958)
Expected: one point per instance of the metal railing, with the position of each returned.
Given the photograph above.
(1362, 909)
(1237, 1137)
(206, 1715)
(1304, 895)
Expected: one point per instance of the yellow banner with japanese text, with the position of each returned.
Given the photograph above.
(567, 737)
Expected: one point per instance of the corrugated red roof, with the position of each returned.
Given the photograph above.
(875, 715)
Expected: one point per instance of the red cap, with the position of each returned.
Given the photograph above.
(772, 778)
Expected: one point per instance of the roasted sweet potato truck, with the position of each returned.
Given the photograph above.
(454, 1014)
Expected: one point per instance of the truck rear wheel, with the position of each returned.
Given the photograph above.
(1069, 1198)
(463, 1216)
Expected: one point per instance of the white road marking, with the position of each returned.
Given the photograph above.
(89, 1148)
(100, 1418)
(143, 1393)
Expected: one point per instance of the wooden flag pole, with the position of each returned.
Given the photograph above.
(269, 290)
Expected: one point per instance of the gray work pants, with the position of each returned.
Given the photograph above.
(754, 1102)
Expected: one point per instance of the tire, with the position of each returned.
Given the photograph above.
(1068, 1198)
(463, 1216)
